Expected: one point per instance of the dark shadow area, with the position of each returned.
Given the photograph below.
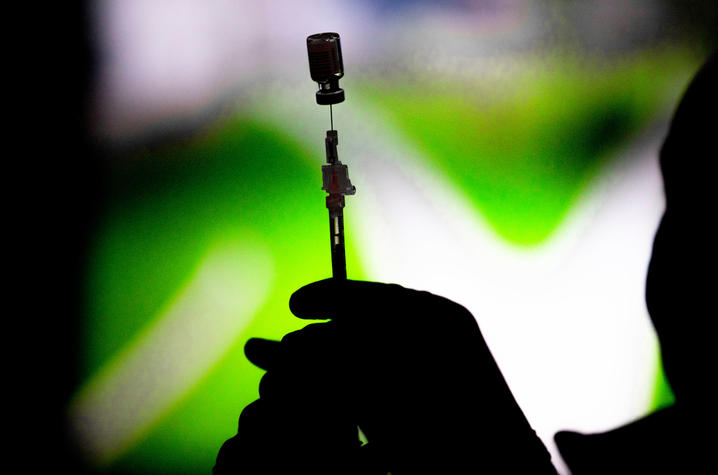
(57, 190)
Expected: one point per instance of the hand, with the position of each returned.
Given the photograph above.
(411, 369)
(291, 428)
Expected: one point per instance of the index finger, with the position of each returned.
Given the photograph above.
(330, 298)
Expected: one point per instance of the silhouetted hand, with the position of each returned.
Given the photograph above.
(410, 368)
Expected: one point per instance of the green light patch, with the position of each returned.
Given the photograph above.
(176, 217)
(524, 149)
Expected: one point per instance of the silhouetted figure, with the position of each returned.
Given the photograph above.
(680, 294)
(412, 370)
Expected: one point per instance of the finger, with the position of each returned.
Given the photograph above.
(251, 419)
(269, 386)
(263, 353)
(231, 457)
(330, 298)
(302, 344)
(293, 391)
(315, 349)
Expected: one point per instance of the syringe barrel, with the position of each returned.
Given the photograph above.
(336, 233)
(335, 177)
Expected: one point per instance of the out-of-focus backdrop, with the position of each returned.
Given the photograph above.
(504, 154)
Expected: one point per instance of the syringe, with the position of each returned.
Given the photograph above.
(326, 68)
(335, 177)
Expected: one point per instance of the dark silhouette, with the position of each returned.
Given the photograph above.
(679, 289)
(412, 370)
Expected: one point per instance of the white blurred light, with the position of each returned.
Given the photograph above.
(165, 61)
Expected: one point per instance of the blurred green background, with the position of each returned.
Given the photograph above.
(523, 147)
